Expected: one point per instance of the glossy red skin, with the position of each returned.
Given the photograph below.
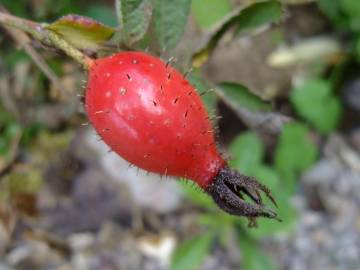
(149, 114)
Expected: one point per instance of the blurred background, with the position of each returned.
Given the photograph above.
(287, 92)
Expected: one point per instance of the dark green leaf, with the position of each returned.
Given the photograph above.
(190, 254)
(210, 12)
(247, 151)
(134, 18)
(82, 32)
(259, 14)
(169, 21)
(315, 102)
(295, 151)
(240, 96)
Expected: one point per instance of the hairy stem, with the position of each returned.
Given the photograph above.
(39, 32)
(33, 28)
(70, 50)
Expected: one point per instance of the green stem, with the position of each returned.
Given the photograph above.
(39, 32)
(27, 26)
(70, 50)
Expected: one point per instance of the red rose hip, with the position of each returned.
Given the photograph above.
(148, 113)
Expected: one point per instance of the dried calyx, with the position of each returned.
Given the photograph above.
(229, 189)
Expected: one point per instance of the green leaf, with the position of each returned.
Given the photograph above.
(218, 221)
(259, 14)
(191, 253)
(332, 9)
(266, 227)
(253, 258)
(350, 7)
(82, 32)
(247, 151)
(269, 177)
(210, 12)
(196, 195)
(295, 151)
(269, 227)
(240, 96)
(134, 18)
(315, 102)
(246, 17)
(169, 21)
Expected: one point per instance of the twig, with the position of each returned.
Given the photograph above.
(39, 32)
(33, 28)
(24, 41)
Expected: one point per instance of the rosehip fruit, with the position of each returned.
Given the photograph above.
(149, 114)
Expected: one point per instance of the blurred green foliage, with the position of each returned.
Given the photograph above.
(242, 97)
(344, 14)
(295, 151)
(160, 25)
(190, 255)
(315, 102)
(9, 129)
(253, 257)
(259, 14)
(211, 13)
(345, 17)
(134, 18)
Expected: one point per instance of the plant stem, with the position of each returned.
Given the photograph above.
(39, 32)
(27, 26)
(70, 50)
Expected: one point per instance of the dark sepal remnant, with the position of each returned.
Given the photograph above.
(228, 190)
